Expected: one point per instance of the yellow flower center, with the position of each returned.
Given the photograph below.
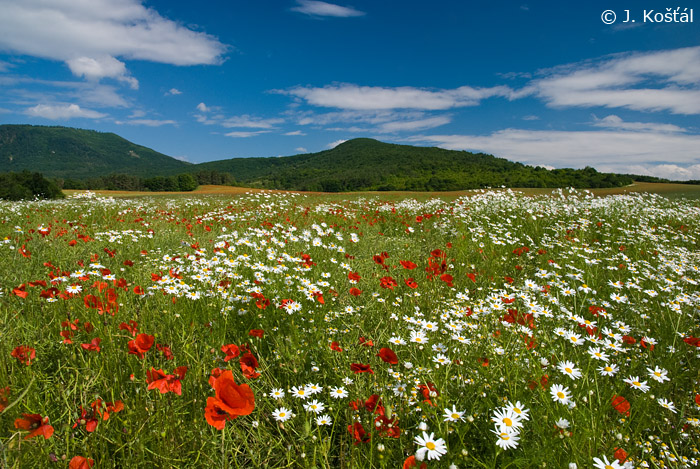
(505, 436)
(607, 368)
(508, 421)
(636, 383)
(561, 395)
(455, 416)
(568, 370)
(430, 445)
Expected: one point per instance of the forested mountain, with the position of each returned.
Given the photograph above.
(64, 152)
(79, 158)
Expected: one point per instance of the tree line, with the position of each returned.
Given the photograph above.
(184, 182)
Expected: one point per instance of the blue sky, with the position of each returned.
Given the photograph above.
(544, 83)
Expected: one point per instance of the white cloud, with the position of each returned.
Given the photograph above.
(353, 97)
(301, 150)
(202, 107)
(295, 132)
(102, 67)
(615, 122)
(62, 112)
(316, 8)
(246, 134)
(531, 118)
(151, 122)
(423, 124)
(247, 121)
(597, 148)
(66, 29)
(650, 81)
(335, 144)
(673, 172)
(173, 92)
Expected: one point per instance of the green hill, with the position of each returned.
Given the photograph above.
(367, 164)
(90, 159)
(63, 152)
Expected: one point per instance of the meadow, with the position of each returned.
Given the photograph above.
(274, 329)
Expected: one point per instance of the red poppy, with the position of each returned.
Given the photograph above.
(410, 463)
(628, 340)
(388, 355)
(355, 291)
(165, 350)
(358, 433)
(132, 327)
(231, 351)
(387, 282)
(374, 402)
(106, 409)
(336, 347)
(408, 265)
(4, 397)
(621, 405)
(694, 341)
(38, 425)
(87, 418)
(93, 346)
(24, 354)
(231, 401)
(354, 276)
(157, 379)
(360, 368)
(620, 454)
(447, 278)
(20, 291)
(428, 390)
(215, 373)
(80, 462)
(387, 427)
(141, 344)
(248, 364)
(410, 283)
(256, 333)
(365, 342)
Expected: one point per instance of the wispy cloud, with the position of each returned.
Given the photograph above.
(62, 112)
(101, 67)
(246, 121)
(652, 81)
(173, 92)
(354, 97)
(295, 133)
(316, 8)
(150, 122)
(335, 144)
(414, 125)
(246, 134)
(597, 148)
(615, 122)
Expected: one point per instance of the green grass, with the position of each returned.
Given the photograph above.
(503, 282)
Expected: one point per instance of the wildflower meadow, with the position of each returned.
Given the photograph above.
(280, 329)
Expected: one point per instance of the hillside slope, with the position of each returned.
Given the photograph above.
(63, 152)
(367, 164)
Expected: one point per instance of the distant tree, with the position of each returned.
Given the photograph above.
(186, 182)
(26, 185)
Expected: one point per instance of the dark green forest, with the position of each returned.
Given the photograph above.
(86, 159)
(26, 185)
